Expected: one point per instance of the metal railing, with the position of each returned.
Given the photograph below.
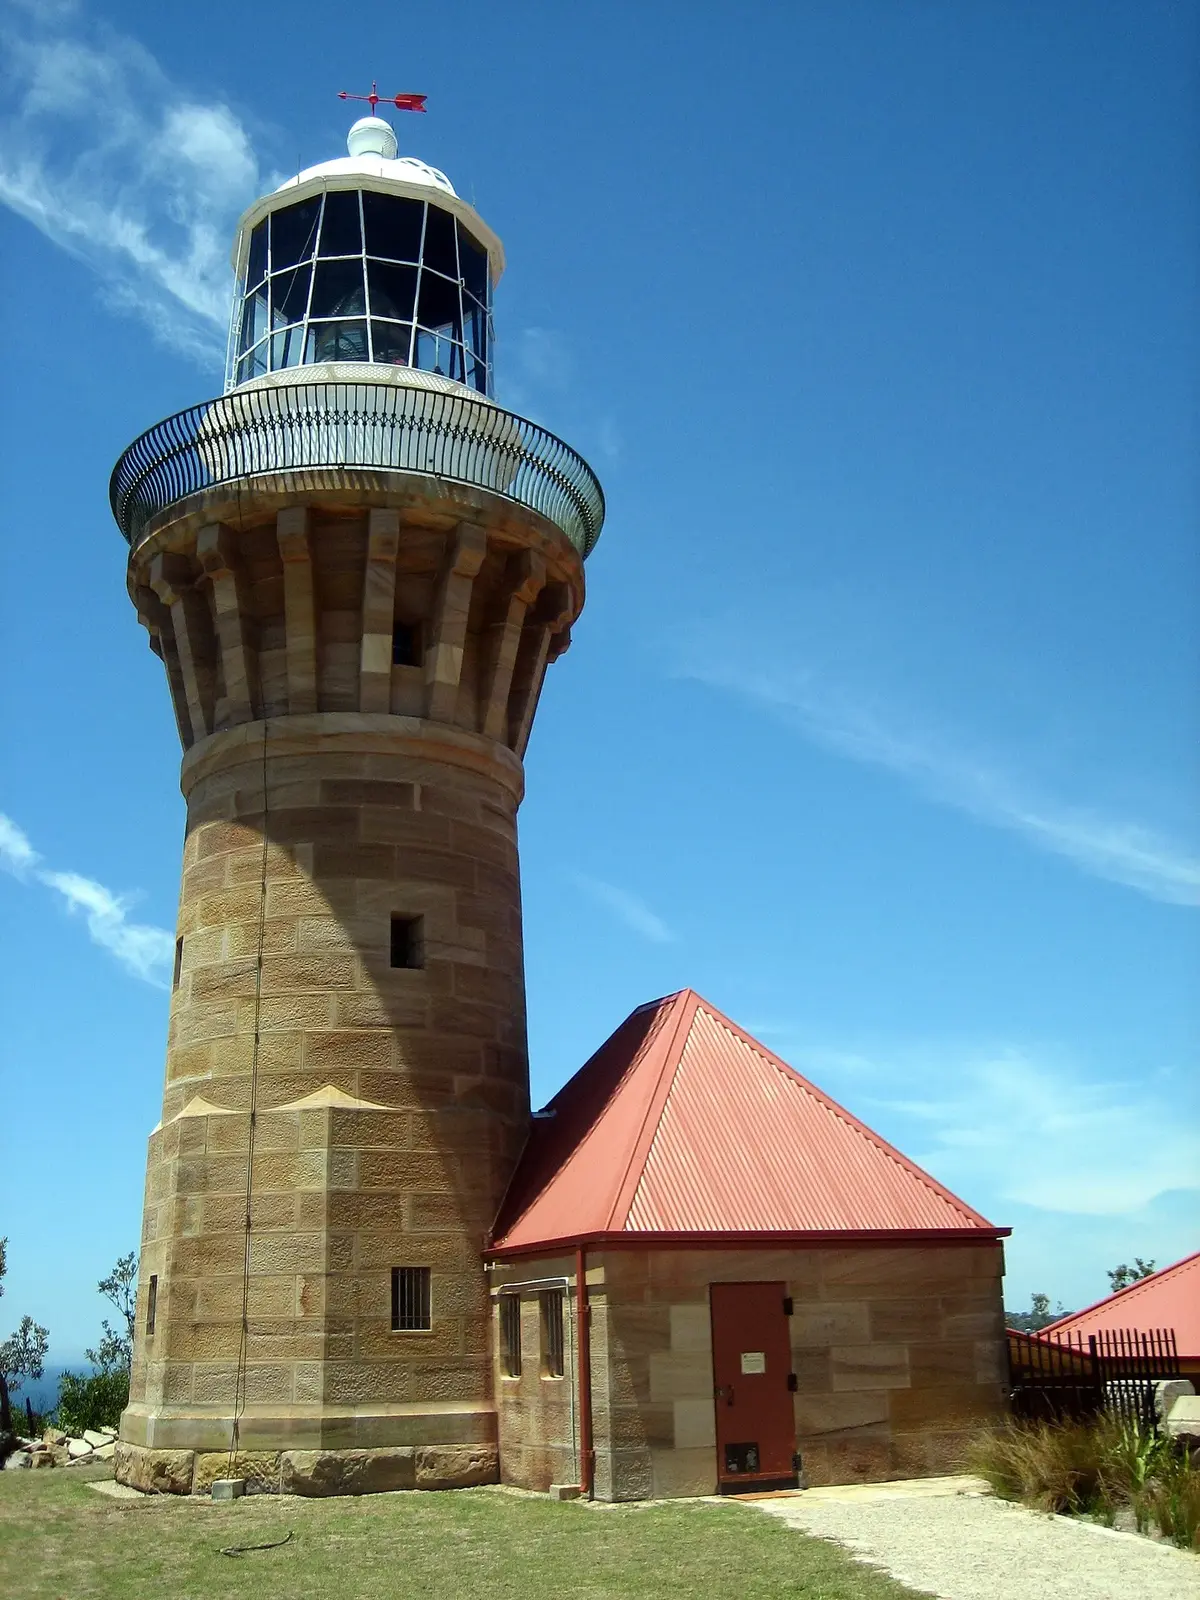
(380, 427)
(1072, 1374)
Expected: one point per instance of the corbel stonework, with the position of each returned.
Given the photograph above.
(299, 609)
(524, 579)
(551, 615)
(171, 579)
(217, 553)
(378, 610)
(155, 617)
(444, 652)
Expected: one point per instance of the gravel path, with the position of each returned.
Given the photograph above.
(966, 1546)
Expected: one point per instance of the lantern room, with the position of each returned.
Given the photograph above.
(369, 258)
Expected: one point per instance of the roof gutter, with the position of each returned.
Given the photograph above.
(730, 1240)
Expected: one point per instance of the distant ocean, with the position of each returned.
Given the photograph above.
(43, 1391)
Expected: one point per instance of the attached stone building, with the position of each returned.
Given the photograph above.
(713, 1276)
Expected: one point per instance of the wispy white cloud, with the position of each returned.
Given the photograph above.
(878, 735)
(627, 908)
(1041, 1133)
(143, 950)
(123, 169)
(17, 855)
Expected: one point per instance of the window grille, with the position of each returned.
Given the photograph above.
(552, 1333)
(151, 1302)
(411, 1309)
(510, 1335)
(408, 943)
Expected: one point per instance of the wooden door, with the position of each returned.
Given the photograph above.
(752, 1377)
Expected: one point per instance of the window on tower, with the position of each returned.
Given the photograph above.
(361, 276)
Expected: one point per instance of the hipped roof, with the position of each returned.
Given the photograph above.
(1166, 1299)
(682, 1125)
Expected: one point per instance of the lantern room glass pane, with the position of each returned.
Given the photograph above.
(391, 343)
(256, 268)
(254, 318)
(472, 261)
(475, 327)
(338, 289)
(287, 348)
(393, 290)
(438, 353)
(439, 305)
(294, 232)
(336, 341)
(341, 234)
(393, 226)
(440, 252)
(289, 296)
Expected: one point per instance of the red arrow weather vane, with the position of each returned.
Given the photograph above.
(402, 102)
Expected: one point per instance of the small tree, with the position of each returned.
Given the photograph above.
(115, 1350)
(1038, 1316)
(22, 1354)
(97, 1399)
(1121, 1277)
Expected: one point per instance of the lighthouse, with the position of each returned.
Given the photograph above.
(355, 567)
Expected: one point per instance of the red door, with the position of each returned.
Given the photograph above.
(752, 1366)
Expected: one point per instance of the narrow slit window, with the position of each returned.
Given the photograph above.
(552, 1333)
(408, 942)
(406, 645)
(151, 1302)
(411, 1300)
(510, 1335)
(178, 962)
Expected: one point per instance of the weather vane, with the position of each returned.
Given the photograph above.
(402, 102)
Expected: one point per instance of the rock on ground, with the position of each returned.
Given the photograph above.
(967, 1546)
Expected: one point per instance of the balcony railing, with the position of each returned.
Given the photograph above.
(257, 433)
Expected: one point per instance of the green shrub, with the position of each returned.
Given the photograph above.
(1053, 1466)
(1172, 1499)
(92, 1400)
(1094, 1469)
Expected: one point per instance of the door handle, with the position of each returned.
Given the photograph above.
(725, 1392)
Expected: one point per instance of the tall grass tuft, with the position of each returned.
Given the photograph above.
(1095, 1468)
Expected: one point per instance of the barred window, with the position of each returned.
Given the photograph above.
(552, 1333)
(175, 976)
(510, 1335)
(151, 1302)
(411, 1309)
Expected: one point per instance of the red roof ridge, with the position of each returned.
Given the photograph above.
(1138, 1286)
(687, 1001)
(839, 1110)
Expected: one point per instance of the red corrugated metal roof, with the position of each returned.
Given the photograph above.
(1166, 1299)
(682, 1124)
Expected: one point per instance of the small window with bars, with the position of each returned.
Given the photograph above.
(411, 1300)
(151, 1302)
(510, 1335)
(177, 973)
(552, 1333)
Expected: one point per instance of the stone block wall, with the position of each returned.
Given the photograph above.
(898, 1351)
(537, 1414)
(392, 1102)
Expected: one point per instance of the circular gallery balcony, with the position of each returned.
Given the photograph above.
(307, 429)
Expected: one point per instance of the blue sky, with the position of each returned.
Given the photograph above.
(879, 322)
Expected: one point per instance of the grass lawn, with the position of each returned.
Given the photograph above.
(60, 1539)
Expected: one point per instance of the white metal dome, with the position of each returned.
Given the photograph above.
(372, 146)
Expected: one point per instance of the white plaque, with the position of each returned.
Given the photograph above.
(754, 1361)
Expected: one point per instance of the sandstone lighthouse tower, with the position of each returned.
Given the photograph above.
(355, 568)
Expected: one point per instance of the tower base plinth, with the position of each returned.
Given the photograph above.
(313, 1473)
